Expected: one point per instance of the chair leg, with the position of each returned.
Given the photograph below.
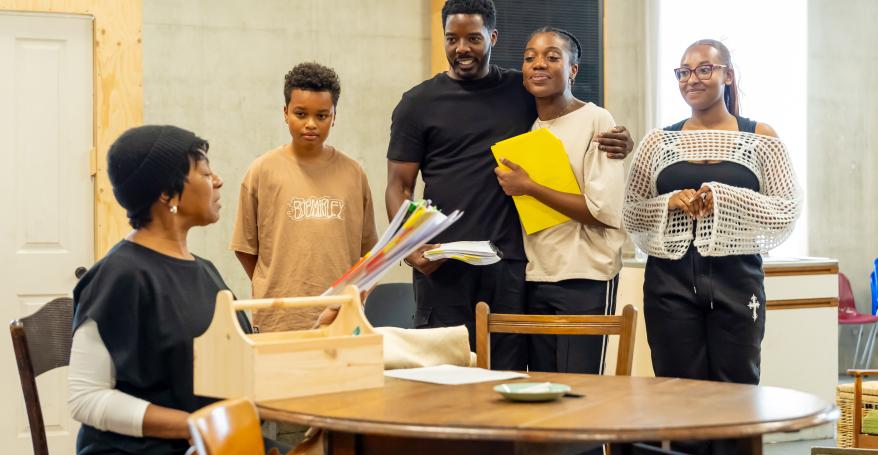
(866, 344)
(868, 360)
(857, 348)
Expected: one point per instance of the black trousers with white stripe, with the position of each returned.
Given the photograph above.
(569, 353)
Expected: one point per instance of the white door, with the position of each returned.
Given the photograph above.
(46, 196)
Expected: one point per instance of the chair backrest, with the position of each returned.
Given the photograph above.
(846, 300)
(391, 305)
(623, 325)
(873, 283)
(41, 343)
(227, 427)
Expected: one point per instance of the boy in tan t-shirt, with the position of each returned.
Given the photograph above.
(305, 208)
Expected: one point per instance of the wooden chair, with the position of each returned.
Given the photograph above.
(861, 440)
(41, 343)
(624, 325)
(227, 427)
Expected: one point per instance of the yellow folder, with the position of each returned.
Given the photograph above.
(542, 155)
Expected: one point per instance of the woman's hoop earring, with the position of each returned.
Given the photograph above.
(173, 210)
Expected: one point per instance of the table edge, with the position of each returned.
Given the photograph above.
(347, 425)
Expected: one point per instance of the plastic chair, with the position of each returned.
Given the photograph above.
(873, 283)
(41, 343)
(227, 427)
(391, 305)
(624, 326)
(848, 315)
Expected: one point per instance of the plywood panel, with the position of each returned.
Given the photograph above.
(118, 90)
(438, 61)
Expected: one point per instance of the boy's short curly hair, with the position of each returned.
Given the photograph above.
(314, 77)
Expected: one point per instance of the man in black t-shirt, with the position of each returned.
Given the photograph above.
(444, 128)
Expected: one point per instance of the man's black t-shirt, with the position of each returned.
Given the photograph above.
(149, 308)
(449, 126)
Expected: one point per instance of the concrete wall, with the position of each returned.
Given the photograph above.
(843, 142)
(217, 67)
(626, 69)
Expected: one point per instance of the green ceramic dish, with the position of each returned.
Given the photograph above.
(532, 391)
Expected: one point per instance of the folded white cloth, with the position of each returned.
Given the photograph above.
(412, 348)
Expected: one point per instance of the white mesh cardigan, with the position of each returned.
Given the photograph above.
(743, 221)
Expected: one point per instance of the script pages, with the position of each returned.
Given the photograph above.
(414, 224)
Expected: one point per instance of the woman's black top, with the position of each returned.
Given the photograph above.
(148, 307)
(685, 175)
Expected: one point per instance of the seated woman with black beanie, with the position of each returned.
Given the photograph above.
(139, 308)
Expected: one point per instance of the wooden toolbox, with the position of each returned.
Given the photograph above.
(344, 355)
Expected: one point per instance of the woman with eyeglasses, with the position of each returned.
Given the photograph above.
(704, 198)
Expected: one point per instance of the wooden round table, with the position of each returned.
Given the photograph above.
(407, 415)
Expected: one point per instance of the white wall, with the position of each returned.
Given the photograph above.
(217, 67)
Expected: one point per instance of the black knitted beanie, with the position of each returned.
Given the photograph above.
(145, 161)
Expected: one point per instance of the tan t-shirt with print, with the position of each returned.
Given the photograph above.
(307, 223)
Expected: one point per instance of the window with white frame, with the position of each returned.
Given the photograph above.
(768, 43)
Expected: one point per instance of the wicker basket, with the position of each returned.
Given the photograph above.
(844, 399)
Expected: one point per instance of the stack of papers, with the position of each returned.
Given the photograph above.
(475, 253)
(453, 375)
(414, 224)
(542, 155)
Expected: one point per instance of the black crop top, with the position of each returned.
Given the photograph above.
(686, 175)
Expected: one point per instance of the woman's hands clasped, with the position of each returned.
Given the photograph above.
(697, 203)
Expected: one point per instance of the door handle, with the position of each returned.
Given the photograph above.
(79, 272)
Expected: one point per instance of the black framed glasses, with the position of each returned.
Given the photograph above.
(702, 72)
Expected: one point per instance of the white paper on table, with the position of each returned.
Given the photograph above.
(452, 375)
